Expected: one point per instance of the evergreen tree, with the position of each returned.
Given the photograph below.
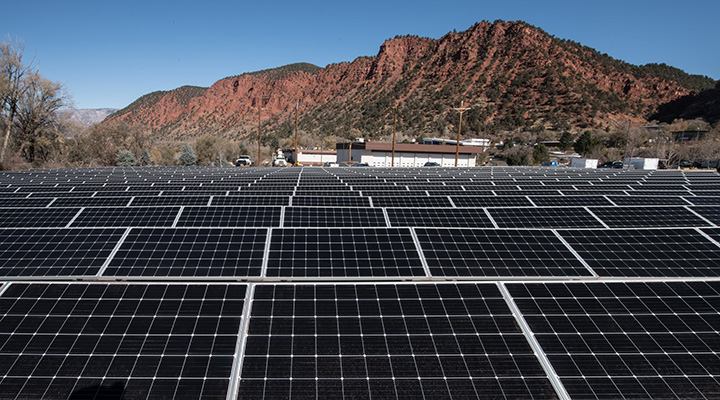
(125, 158)
(586, 143)
(540, 153)
(187, 156)
(566, 141)
(145, 158)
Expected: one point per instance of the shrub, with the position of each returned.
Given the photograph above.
(125, 158)
(187, 156)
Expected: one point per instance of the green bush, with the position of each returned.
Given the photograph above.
(125, 158)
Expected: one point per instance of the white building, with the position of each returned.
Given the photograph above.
(311, 157)
(376, 154)
(480, 142)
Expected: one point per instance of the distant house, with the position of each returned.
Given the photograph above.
(683, 136)
(480, 142)
(376, 154)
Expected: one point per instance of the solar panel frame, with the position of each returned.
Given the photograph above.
(626, 340)
(220, 253)
(140, 340)
(357, 253)
(483, 253)
(343, 341)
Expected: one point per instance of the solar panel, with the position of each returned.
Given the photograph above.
(544, 217)
(413, 201)
(710, 213)
(36, 217)
(326, 201)
(387, 341)
(491, 201)
(23, 202)
(55, 251)
(229, 217)
(627, 340)
(334, 217)
(641, 200)
(170, 201)
(337, 252)
(646, 252)
(647, 216)
(569, 201)
(91, 202)
(126, 217)
(243, 200)
(499, 253)
(189, 252)
(97, 340)
(439, 217)
(574, 283)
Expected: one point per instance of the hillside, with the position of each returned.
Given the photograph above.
(704, 105)
(512, 74)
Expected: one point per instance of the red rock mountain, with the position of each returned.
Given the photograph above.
(510, 73)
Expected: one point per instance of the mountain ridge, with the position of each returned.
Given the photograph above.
(512, 74)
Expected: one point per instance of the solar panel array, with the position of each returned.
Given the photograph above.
(224, 283)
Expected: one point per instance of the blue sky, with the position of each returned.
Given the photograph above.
(107, 54)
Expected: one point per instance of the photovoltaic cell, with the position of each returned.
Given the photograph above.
(627, 340)
(491, 252)
(79, 340)
(387, 341)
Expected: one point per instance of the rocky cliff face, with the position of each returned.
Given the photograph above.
(510, 73)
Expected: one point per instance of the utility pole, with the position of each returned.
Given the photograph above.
(297, 108)
(259, 109)
(392, 164)
(627, 146)
(461, 110)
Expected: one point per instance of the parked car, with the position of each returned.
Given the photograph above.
(685, 164)
(331, 164)
(611, 164)
(431, 164)
(243, 161)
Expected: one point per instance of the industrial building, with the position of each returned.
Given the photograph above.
(311, 157)
(377, 154)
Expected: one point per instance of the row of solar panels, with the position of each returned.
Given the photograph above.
(104, 177)
(383, 253)
(519, 216)
(419, 200)
(367, 340)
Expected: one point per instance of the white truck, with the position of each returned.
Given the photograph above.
(243, 161)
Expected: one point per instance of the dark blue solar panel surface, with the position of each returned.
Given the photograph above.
(362, 283)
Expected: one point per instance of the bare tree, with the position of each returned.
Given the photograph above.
(36, 111)
(12, 88)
